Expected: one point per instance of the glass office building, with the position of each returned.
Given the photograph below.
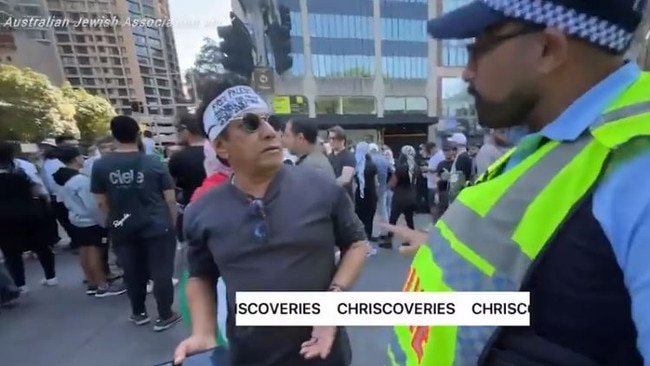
(377, 50)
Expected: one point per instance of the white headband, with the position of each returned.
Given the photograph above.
(233, 103)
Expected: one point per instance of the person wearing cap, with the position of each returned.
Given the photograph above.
(462, 169)
(266, 230)
(565, 215)
(87, 222)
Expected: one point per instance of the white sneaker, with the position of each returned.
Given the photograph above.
(23, 289)
(174, 281)
(149, 287)
(49, 283)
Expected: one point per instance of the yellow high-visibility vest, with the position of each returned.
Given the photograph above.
(489, 236)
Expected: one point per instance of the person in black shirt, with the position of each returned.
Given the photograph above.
(404, 196)
(342, 159)
(365, 196)
(186, 166)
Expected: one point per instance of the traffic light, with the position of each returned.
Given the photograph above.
(279, 36)
(236, 47)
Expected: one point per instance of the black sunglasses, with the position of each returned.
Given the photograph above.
(252, 122)
(478, 49)
(258, 214)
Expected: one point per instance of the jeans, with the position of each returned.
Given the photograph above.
(382, 207)
(389, 201)
(222, 307)
(16, 267)
(149, 258)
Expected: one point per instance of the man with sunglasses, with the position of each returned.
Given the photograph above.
(565, 214)
(266, 230)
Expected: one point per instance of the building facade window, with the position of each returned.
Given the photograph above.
(404, 39)
(457, 106)
(346, 105)
(449, 5)
(343, 66)
(454, 53)
(399, 105)
(340, 26)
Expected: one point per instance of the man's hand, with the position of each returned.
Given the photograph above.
(192, 345)
(413, 237)
(320, 344)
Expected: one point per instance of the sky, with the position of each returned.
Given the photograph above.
(194, 20)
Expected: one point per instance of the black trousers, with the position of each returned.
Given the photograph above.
(399, 207)
(365, 209)
(145, 258)
(61, 213)
(16, 267)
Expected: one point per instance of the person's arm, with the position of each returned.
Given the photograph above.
(90, 202)
(202, 282)
(168, 189)
(99, 188)
(347, 173)
(351, 238)
(622, 206)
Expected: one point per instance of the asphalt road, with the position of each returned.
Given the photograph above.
(63, 326)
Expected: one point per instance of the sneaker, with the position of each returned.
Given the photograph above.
(9, 298)
(23, 289)
(49, 282)
(164, 324)
(149, 287)
(140, 319)
(91, 290)
(371, 251)
(110, 290)
(112, 277)
(174, 281)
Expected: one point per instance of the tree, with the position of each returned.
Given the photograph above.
(30, 107)
(92, 113)
(207, 65)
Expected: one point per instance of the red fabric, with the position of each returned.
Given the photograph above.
(209, 182)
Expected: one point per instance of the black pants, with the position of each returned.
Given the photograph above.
(61, 213)
(365, 209)
(398, 208)
(144, 258)
(16, 267)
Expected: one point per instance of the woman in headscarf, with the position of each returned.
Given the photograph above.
(403, 184)
(388, 154)
(366, 193)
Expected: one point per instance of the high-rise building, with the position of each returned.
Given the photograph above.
(28, 47)
(371, 57)
(124, 63)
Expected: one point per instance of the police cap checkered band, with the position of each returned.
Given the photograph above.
(591, 28)
(606, 23)
(233, 103)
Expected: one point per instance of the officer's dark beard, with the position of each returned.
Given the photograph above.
(512, 111)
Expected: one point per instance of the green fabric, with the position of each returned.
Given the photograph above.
(185, 309)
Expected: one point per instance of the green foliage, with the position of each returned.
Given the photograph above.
(92, 113)
(31, 107)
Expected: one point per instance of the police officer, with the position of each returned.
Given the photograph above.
(565, 215)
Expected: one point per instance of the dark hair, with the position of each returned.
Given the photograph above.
(63, 138)
(68, 153)
(190, 123)
(7, 153)
(125, 129)
(429, 146)
(49, 152)
(147, 133)
(276, 123)
(308, 130)
(339, 133)
(213, 88)
(104, 140)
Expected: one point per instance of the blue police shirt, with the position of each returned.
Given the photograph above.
(621, 202)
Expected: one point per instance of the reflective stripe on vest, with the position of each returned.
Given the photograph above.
(490, 236)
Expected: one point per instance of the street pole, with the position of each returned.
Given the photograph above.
(256, 23)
